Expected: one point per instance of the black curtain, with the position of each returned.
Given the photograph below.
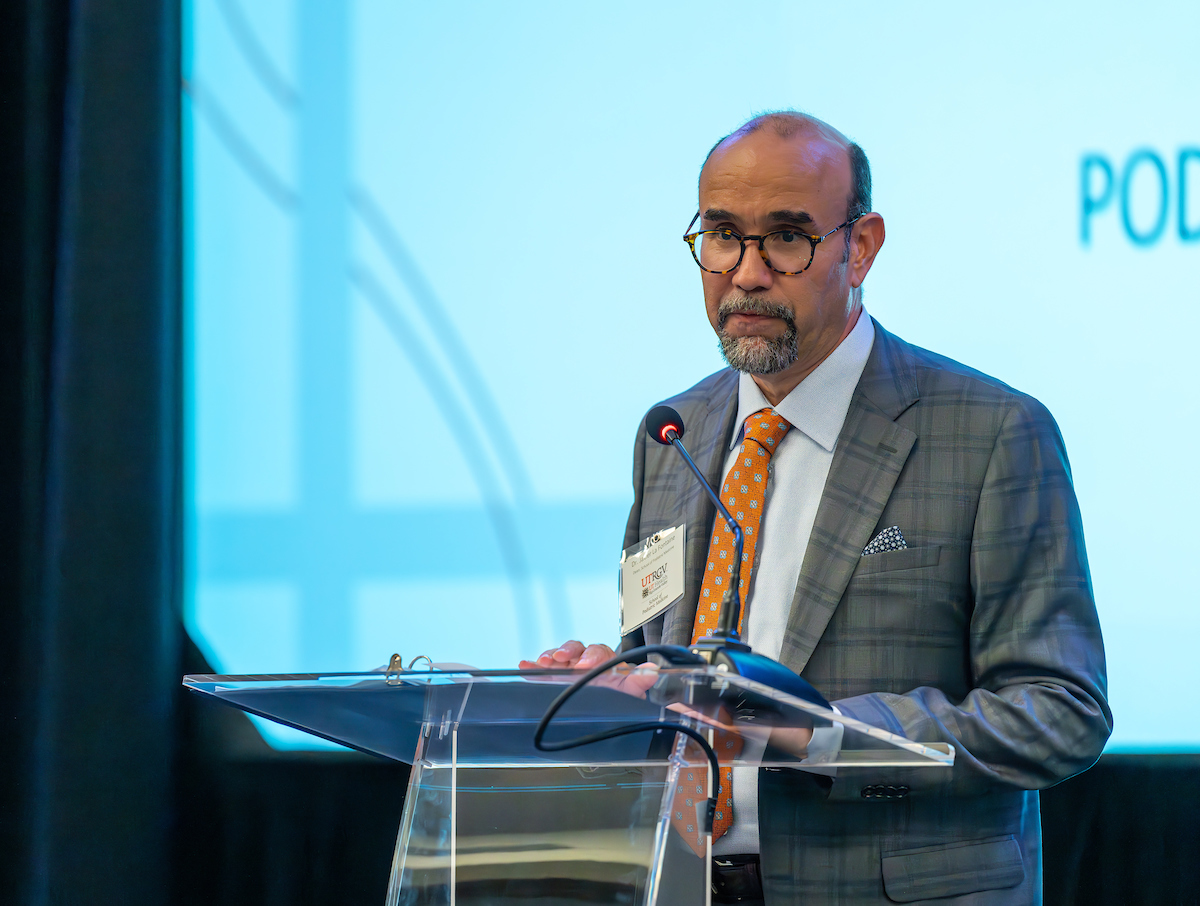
(90, 474)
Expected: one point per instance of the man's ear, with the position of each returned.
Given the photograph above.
(867, 239)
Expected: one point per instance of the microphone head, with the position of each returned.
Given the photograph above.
(659, 420)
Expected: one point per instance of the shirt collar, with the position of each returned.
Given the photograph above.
(817, 406)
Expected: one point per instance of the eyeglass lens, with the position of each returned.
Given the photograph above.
(718, 250)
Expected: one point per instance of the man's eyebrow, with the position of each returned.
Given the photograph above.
(718, 214)
(800, 217)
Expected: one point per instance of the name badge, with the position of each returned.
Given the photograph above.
(651, 577)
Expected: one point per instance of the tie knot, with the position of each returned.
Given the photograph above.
(766, 428)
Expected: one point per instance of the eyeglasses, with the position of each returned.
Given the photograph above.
(787, 252)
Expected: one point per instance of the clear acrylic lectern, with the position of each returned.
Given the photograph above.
(489, 818)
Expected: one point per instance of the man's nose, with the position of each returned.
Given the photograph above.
(752, 272)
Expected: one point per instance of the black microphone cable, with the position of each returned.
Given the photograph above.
(674, 654)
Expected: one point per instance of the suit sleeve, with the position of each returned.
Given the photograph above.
(1038, 711)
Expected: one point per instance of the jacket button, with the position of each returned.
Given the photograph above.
(884, 791)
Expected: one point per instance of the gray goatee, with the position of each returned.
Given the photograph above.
(757, 355)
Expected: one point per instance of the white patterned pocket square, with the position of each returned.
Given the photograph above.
(890, 539)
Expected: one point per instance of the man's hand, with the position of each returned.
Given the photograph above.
(575, 656)
(571, 656)
(792, 739)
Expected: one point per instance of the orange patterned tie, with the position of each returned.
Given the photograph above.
(743, 494)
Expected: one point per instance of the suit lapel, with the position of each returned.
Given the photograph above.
(708, 442)
(870, 453)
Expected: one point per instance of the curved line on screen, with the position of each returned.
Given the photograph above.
(255, 54)
(240, 149)
(479, 397)
(447, 335)
(475, 388)
(502, 516)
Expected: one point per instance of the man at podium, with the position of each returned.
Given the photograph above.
(915, 547)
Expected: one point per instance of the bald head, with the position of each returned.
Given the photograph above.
(788, 124)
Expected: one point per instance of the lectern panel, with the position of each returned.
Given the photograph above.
(558, 835)
(493, 818)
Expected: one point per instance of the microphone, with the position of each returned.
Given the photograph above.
(724, 648)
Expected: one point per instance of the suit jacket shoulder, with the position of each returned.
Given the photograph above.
(898, 374)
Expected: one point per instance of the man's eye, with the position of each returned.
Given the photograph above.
(787, 236)
(726, 234)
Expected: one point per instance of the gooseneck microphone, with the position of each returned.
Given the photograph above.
(665, 425)
(724, 649)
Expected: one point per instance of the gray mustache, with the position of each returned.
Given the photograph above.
(752, 306)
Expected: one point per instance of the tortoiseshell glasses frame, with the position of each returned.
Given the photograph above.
(813, 241)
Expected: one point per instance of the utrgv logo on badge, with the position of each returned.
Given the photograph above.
(651, 579)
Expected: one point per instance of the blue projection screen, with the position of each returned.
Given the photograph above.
(395, 291)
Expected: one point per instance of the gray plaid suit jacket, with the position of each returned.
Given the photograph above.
(982, 633)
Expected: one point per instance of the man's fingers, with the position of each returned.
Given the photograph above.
(640, 681)
(562, 656)
(572, 655)
(593, 655)
(629, 679)
(568, 653)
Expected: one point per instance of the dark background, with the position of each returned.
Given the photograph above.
(118, 787)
